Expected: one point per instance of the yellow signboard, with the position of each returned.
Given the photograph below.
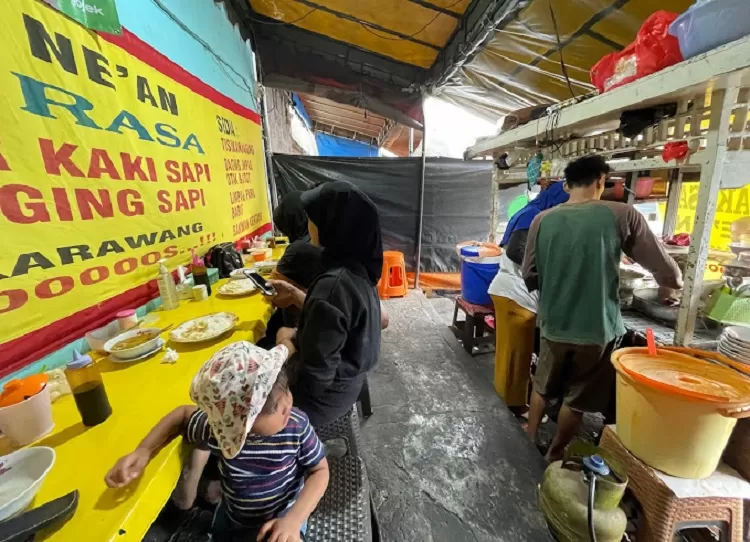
(732, 205)
(111, 158)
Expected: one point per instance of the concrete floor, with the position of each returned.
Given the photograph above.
(446, 459)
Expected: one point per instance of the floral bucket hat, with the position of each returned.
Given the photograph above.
(232, 387)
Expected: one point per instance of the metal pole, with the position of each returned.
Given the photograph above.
(673, 203)
(411, 141)
(421, 196)
(494, 194)
(722, 102)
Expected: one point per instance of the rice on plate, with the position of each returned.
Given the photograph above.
(204, 328)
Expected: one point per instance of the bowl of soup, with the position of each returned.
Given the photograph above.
(134, 343)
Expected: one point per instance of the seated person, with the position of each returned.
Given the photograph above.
(301, 262)
(299, 265)
(272, 465)
(339, 328)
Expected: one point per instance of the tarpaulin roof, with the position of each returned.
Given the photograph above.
(520, 66)
(378, 55)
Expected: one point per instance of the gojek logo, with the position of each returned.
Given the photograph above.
(88, 8)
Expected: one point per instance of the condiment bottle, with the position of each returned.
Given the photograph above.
(88, 390)
(200, 276)
(167, 289)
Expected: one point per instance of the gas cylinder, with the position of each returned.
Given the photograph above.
(565, 492)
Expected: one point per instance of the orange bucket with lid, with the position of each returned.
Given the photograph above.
(676, 410)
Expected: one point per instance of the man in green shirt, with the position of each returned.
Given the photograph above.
(573, 258)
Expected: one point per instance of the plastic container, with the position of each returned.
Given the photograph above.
(476, 275)
(167, 289)
(26, 409)
(200, 292)
(99, 337)
(127, 319)
(644, 186)
(201, 277)
(675, 412)
(88, 390)
(21, 477)
(709, 24)
(475, 248)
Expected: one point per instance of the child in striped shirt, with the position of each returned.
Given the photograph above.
(272, 465)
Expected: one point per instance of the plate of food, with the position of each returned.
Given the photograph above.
(239, 274)
(265, 268)
(157, 348)
(134, 343)
(204, 328)
(237, 287)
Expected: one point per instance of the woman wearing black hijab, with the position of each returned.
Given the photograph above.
(301, 262)
(338, 337)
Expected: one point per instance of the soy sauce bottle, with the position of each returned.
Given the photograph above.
(88, 390)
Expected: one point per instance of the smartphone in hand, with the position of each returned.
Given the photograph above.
(261, 283)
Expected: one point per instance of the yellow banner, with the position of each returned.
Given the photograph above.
(732, 205)
(111, 157)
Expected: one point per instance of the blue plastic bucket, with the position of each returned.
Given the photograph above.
(476, 276)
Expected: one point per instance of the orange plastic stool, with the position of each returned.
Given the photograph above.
(393, 279)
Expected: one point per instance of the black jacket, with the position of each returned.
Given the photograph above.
(338, 340)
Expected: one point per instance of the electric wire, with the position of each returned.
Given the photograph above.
(223, 64)
(560, 52)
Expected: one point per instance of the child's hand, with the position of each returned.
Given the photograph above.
(284, 529)
(128, 468)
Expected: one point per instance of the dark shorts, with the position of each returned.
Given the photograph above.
(581, 375)
(224, 530)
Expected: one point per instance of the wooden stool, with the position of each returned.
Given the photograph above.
(665, 513)
(471, 331)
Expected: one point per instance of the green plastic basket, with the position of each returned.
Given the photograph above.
(728, 309)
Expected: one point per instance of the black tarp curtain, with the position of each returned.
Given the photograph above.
(457, 199)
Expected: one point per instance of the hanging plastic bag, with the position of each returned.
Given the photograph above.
(675, 150)
(653, 50)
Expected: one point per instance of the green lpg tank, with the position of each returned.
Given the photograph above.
(564, 495)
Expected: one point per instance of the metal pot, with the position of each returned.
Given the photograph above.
(646, 301)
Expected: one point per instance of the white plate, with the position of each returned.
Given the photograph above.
(739, 333)
(159, 345)
(239, 273)
(236, 288)
(21, 476)
(734, 343)
(266, 266)
(734, 355)
(230, 321)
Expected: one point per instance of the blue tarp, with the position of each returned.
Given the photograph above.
(300, 107)
(330, 145)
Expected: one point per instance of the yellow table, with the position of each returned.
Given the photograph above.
(140, 394)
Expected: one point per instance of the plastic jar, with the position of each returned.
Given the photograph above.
(87, 387)
(127, 319)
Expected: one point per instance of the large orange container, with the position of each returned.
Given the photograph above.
(675, 411)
